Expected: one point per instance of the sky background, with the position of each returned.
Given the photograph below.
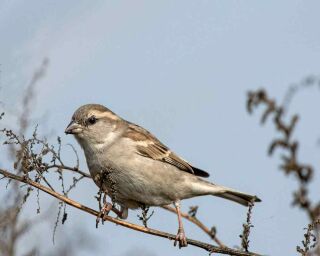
(182, 70)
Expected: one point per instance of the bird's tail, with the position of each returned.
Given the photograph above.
(237, 196)
(206, 187)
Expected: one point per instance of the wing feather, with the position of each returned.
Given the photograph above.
(151, 147)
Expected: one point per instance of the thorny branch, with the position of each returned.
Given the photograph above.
(207, 247)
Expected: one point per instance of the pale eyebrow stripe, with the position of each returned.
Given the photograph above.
(106, 114)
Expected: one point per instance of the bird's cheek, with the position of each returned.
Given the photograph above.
(80, 135)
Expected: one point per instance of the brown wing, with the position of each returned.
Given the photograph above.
(154, 149)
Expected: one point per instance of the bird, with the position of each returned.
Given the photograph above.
(137, 170)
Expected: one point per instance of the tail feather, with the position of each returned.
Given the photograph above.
(238, 197)
(203, 187)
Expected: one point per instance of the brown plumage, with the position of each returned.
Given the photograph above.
(156, 150)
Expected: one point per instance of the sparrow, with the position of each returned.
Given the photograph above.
(135, 169)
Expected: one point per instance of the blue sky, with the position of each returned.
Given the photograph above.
(182, 70)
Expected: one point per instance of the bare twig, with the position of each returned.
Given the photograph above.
(310, 239)
(29, 95)
(68, 168)
(144, 217)
(290, 163)
(210, 232)
(246, 228)
(307, 82)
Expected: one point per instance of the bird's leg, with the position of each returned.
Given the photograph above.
(105, 209)
(181, 236)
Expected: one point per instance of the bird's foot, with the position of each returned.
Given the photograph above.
(181, 238)
(107, 207)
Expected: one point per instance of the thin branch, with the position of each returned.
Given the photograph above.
(197, 222)
(310, 239)
(247, 228)
(73, 169)
(290, 162)
(205, 246)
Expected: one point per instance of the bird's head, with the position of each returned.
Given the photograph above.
(92, 124)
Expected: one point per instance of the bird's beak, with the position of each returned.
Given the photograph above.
(73, 128)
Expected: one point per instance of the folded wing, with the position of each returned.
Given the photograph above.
(151, 147)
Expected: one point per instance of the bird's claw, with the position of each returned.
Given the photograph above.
(107, 207)
(181, 238)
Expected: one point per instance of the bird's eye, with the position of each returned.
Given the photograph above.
(92, 120)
